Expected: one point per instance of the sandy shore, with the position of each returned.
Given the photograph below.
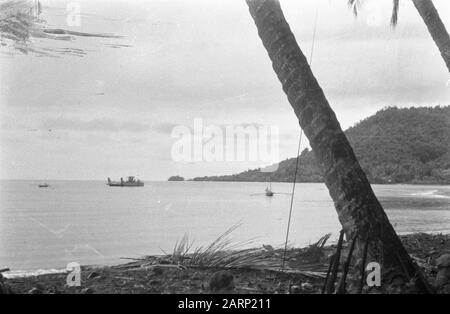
(155, 275)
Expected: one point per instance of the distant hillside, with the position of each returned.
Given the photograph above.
(410, 145)
(175, 178)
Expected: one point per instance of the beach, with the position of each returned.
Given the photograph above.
(155, 274)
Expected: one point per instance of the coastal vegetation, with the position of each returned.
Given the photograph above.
(396, 145)
(176, 178)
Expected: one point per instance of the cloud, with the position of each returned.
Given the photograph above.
(180, 64)
(96, 125)
(164, 128)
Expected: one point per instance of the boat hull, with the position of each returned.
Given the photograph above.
(126, 184)
(131, 182)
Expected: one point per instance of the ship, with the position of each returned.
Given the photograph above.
(131, 181)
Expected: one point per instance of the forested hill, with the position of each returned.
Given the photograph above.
(410, 145)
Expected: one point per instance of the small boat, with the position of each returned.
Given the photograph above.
(131, 181)
(269, 190)
(43, 185)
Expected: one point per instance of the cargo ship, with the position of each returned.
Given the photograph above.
(131, 181)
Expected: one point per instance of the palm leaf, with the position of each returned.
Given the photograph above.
(395, 9)
(356, 4)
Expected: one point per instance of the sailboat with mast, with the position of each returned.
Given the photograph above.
(269, 191)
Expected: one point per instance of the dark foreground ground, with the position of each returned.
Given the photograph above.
(159, 275)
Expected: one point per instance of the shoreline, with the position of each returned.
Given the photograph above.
(227, 181)
(154, 274)
(25, 273)
(426, 183)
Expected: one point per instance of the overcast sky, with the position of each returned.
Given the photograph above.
(111, 112)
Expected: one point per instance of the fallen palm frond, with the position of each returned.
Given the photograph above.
(319, 245)
(225, 253)
(309, 258)
(306, 273)
(323, 240)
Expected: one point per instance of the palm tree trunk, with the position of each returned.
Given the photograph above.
(435, 27)
(358, 209)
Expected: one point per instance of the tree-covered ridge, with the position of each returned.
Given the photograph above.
(408, 145)
(175, 178)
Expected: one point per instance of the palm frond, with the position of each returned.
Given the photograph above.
(354, 5)
(223, 253)
(395, 9)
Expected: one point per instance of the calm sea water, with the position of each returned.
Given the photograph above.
(91, 223)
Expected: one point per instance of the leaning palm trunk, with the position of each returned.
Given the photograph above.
(358, 209)
(436, 28)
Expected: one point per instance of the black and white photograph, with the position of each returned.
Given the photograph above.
(242, 148)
